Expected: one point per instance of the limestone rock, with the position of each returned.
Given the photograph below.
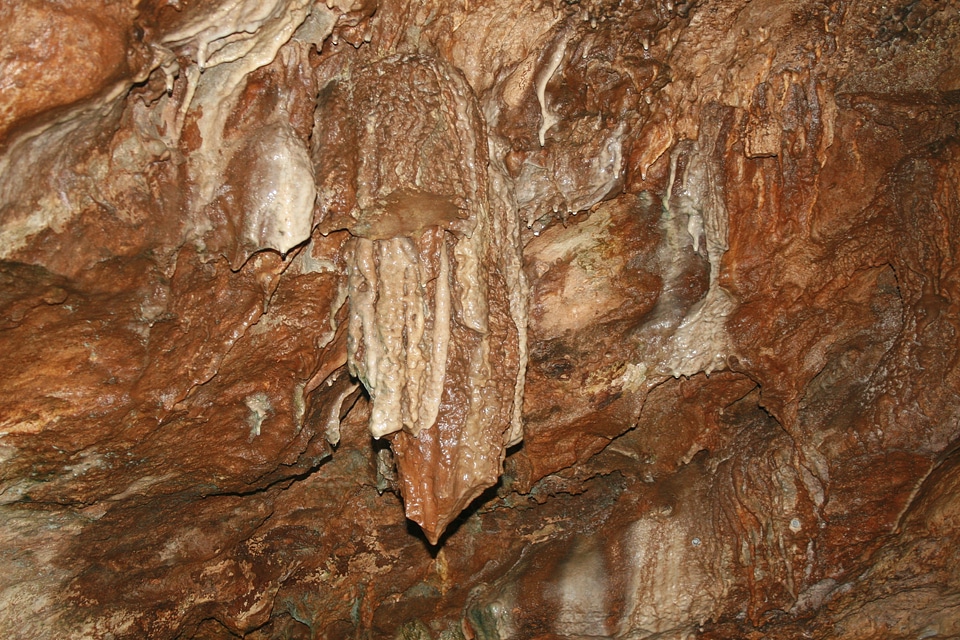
(647, 313)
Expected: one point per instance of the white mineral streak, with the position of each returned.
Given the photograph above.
(472, 279)
(633, 377)
(608, 167)
(260, 409)
(470, 250)
(401, 364)
(439, 344)
(55, 209)
(236, 39)
(669, 586)
(582, 594)
(331, 423)
(414, 311)
(278, 203)
(506, 231)
(362, 290)
(229, 31)
(471, 455)
(554, 57)
(385, 416)
(701, 342)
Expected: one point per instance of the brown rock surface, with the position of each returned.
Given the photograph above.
(647, 312)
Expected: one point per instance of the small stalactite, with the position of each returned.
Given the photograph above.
(436, 298)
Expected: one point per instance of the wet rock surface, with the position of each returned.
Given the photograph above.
(397, 319)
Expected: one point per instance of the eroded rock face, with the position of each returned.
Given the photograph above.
(277, 276)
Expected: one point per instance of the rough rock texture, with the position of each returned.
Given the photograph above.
(434, 279)
(648, 314)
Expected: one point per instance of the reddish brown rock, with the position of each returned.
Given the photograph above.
(693, 265)
(57, 55)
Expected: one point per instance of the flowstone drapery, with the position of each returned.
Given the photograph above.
(437, 314)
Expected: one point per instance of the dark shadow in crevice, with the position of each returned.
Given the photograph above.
(287, 480)
(488, 496)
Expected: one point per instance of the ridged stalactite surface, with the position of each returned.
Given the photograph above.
(432, 332)
(486, 319)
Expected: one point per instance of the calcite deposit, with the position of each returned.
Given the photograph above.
(480, 319)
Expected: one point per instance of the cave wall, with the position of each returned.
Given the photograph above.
(479, 319)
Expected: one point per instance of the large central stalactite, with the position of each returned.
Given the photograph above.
(278, 277)
(436, 303)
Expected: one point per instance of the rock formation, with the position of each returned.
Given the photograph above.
(480, 319)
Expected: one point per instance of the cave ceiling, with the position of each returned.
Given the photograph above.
(479, 319)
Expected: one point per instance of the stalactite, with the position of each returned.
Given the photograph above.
(435, 291)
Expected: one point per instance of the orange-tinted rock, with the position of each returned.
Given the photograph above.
(713, 243)
(55, 55)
